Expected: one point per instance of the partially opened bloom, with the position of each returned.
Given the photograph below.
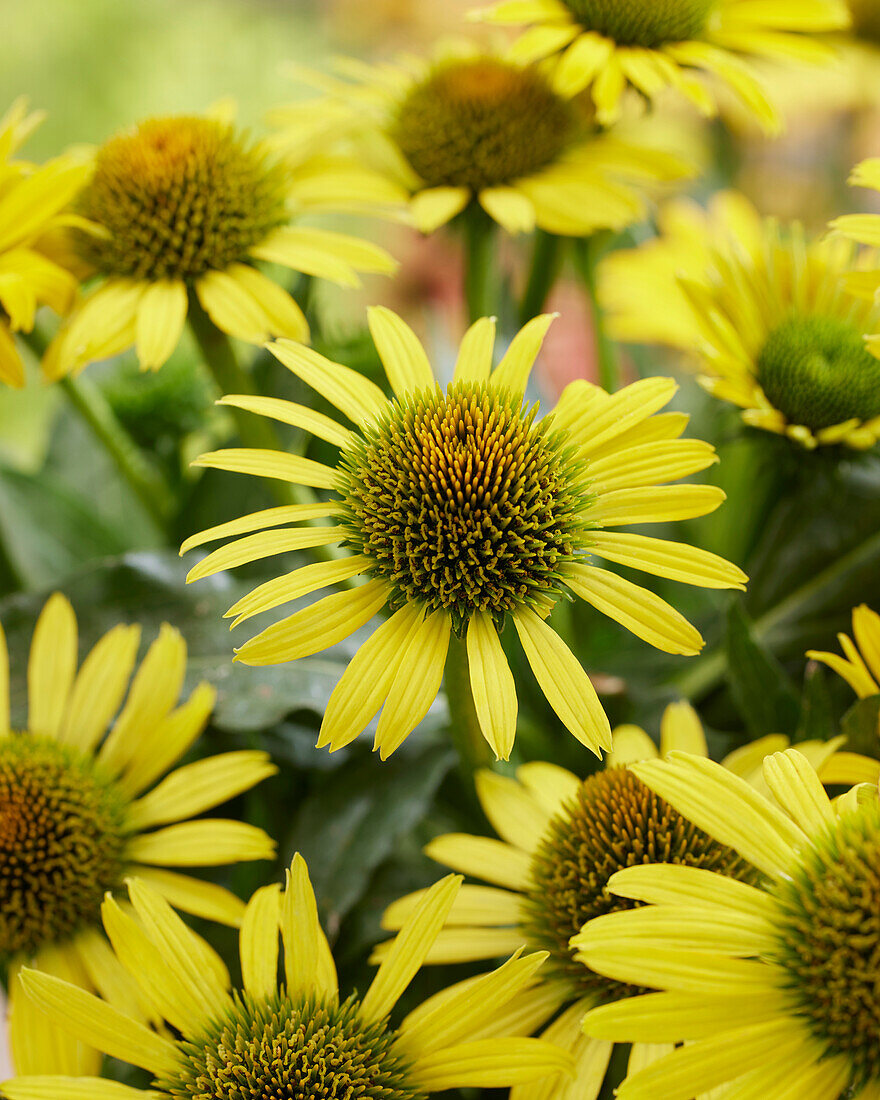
(651, 45)
(471, 127)
(767, 314)
(32, 204)
(83, 806)
(462, 509)
(294, 1038)
(562, 839)
(189, 206)
(771, 987)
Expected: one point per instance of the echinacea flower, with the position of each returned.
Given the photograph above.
(462, 508)
(82, 807)
(32, 204)
(296, 1038)
(476, 127)
(562, 839)
(189, 206)
(651, 45)
(767, 314)
(771, 987)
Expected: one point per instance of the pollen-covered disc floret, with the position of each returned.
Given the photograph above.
(292, 1048)
(647, 23)
(464, 502)
(177, 197)
(829, 940)
(818, 372)
(61, 842)
(614, 822)
(481, 122)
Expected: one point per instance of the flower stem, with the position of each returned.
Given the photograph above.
(473, 750)
(219, 357)
(588, 252)
(480, 270)
(547, 255)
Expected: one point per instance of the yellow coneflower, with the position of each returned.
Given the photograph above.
(860, 663)
(82, 807)
(32, 202)
(562, 839)
(767, 314)
(296, 1038)
(651, 45)
(471, 127)
(189, 206)
(771, 987)
(463, 509)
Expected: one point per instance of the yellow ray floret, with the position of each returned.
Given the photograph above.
(609, 46)
(767, 316)
(560, 841)
(83, 804)
(467, 127)
(154, 261)
(280, 1039)
(463, 508)
(768, 985)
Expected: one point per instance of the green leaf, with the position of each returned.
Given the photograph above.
(763, 693)
(817, 712)
(861, 725)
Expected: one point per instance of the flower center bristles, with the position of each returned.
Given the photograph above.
(865, 19)
(287, 1049)
(829, 940)
(614, 822)
(177, 197)
(464, 502)
(818, 372)
(61, 842)
(480, 123)
(647, 23)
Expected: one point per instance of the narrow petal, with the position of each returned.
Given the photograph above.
(203, 843)
(258, 942)
(36, 1043)
(308, 962)
(161, 314)
(405, 361)
(274, 464)
(513, 210)
(682, 731)
(551, 785)
(435, 206)
(475, 905)
(490, 1063)
(673, 560)
(263, 544)
(300, 582)
(475, 355)
(202, 899)
(99, 688)
(72, 1088)
(665, 884)
(636, 608)
(512, 373)
(656, 505)
(259, 521)
(482, 857)
(287, 412)
(799, 791)
(324, 253)
(492, 685)
(283, 315)
(409, 949)
(355, 396)
(232, 307)
(567, 687)
(512, 811)
(51, 667)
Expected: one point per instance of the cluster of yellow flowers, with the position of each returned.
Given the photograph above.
(721, 918)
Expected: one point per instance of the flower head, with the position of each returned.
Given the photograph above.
(769, 314)
(32, 205)
(480, 127)
(81, 807)
(769, 986)
(561, 840)
(189, 206)
(299, 1037)
(652, 45)
(465, 509)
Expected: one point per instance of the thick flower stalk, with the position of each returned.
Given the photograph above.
(299, 1037)
(767, 316)
(188, 207)
(33, 206)
(561, 840)
(463, 510)
(83, 806)
(653, 45)
(771, 987)
(476, 128)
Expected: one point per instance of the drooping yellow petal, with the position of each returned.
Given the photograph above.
(287, 412)
(492, 685)
(673, 560)
(435, 206)
(263, 544)
(300, 582)
(232, 307)
(513, 210)
(51, 667)
(283, 317)
(259, 521)
(161, 315)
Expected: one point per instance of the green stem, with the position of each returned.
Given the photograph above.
(707, 672)
(126, 456)
(588, 252)
(255, 431)
(547, 255)
(480, 272)
(473, 751)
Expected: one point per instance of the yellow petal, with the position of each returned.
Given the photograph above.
(274, 464)
(490, 1063)
(308, 961)
(204, 843)
(401, 352)
(287, 412)
(263, 544)
(435, 206)
(299, 582)
(161, 314)
(355, 396)
(662, 558)
(258, 942)
(474, 363)
(513, 210)
(100, 688)
(512, 373)
(492, 685)
(51, 667)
